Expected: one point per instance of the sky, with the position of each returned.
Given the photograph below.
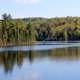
(40, 8)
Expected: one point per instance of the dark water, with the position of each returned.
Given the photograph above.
(53, 64)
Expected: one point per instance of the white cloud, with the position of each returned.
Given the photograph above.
(28, 1)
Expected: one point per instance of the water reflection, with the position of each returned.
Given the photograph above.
(9, 59)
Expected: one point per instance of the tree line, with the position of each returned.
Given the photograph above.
(39, 29)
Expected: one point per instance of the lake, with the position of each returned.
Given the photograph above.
(40, 62)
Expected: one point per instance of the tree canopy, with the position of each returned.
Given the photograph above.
(39, 29)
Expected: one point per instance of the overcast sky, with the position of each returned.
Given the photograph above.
(40, 8)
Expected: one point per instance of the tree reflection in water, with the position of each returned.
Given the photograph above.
(9, 59)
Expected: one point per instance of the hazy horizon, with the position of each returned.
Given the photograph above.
(40, 8)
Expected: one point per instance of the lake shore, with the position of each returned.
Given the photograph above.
(29, 43)
(17, 43)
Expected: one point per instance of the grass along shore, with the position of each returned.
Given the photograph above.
(17, 43)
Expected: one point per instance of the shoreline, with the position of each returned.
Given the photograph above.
(28, 43)
(10, 44)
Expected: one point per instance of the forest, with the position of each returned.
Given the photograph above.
(34, 29)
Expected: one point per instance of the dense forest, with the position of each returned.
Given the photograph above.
(39, 29)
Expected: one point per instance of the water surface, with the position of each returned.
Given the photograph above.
(52, 64)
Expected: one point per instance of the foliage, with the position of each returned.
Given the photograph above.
(39, 29)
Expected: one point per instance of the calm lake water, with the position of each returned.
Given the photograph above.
(49, 62)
